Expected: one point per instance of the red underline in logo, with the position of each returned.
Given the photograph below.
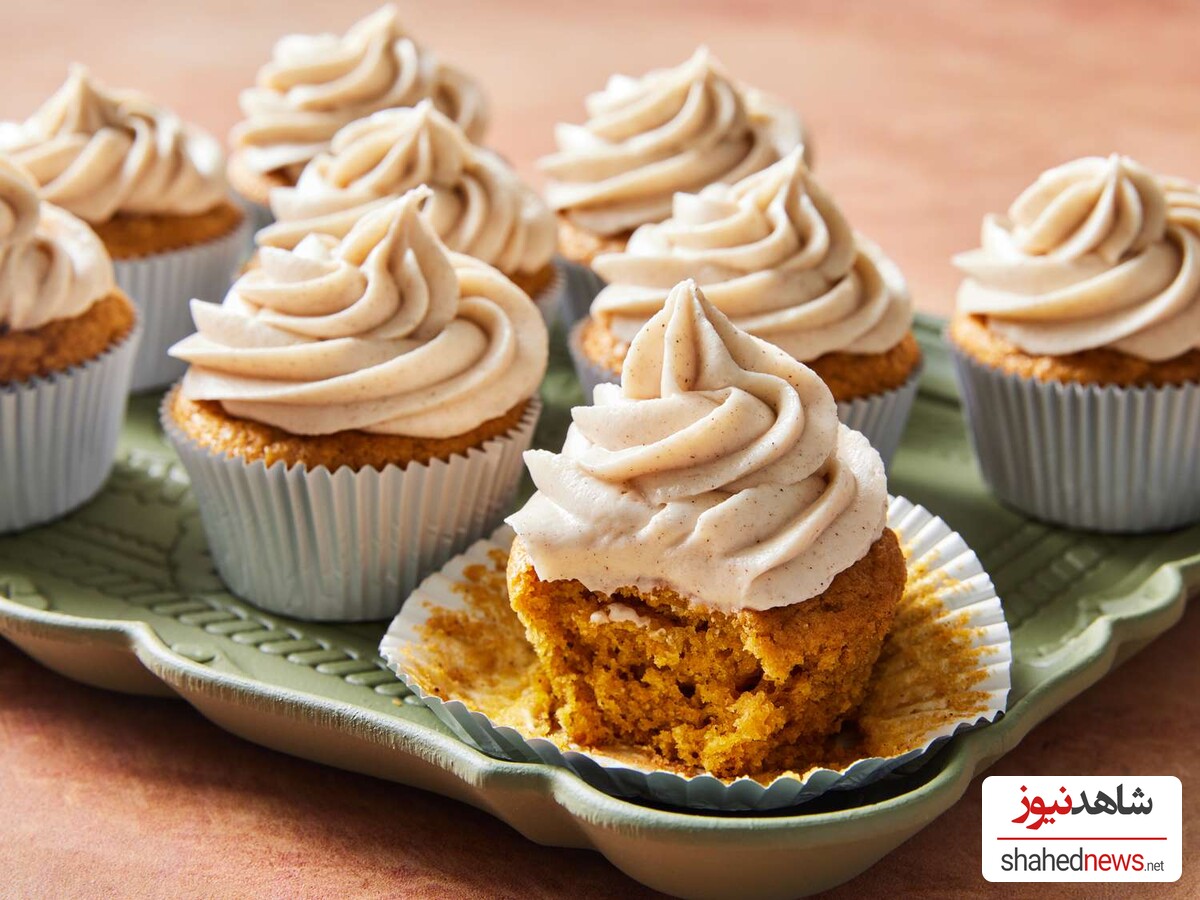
(1081, 838)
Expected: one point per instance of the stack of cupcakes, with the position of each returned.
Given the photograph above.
(68, 336)
(775, 254)
(152, 188)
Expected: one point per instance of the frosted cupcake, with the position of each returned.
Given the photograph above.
(1077, 347)
(355, 414)
(646, 139)
(67, 342)
(316, 84)
(775, 254)
(152, 188)
(705, 571)
(478, 207)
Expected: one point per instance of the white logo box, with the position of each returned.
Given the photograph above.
(1077, 828)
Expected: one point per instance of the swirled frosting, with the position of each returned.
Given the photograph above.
(1096, 253)
(384, 331)
(315, 84)
(774, 254)
(99, 153)
(717, 467)
(670, 130)
(478, 206)
(52, 265)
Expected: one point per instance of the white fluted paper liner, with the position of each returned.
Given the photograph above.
(582, 287)
(58, 436)
(258, 214)
(1099, 458)
(549, 300)
(934, 551)
(162, 287)
(348, 545)
(880, 417)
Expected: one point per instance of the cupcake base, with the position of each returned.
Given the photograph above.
(65, 343)
(345, 544)
(1099, 458)
(58, 436)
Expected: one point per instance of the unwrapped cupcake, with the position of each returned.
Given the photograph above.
(775, 254)
(1077, 348)
(67, 344)
(315, 84)
(647, 138)
(153, 189)
(478, 205)
(705, 571)
(355, 413)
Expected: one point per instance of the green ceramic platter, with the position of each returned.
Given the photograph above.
(122, 595)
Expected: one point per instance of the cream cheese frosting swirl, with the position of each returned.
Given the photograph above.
(717, 467)
(478, 206)
(52, 265)
(671, 130)
(385, 331)
(1097, 253)
(775, 254)
(99, 153)
(315, 84)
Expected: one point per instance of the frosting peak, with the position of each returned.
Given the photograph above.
(1096, 253)
(52, 266)
(384, 331)
(477, 205)
(315, 84)
(718, 468)
(670, 130)
(775, 254)
(98, 153)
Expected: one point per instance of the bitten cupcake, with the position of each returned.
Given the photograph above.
(152, 188)
(705, 571)
(478, 207)
(1077, 348)
(67, 342)
(315, 84)
(775, 254)
(646, 139)
(355, 414)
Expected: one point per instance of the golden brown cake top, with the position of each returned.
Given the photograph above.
(717, 467)
(385, 331)
(669, 130)
(99, 153)
(315, 84)
(1097, 253)
(775, 254)
(52, 265)
(478, 207)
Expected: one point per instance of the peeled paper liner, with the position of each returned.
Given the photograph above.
(942, 569)
(1097, 457)
(162, 286)
(348, 545)
(59, 433)
(880, 417)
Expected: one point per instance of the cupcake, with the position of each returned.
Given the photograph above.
(479, 206)
(646, 139)
(1077, 348)
(67, 342)
(705, 571)
(774, 254)
(152, 188)
(315, 84)
(354, 414)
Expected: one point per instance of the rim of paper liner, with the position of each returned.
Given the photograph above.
(527, 422)
(549, 299)
(938, 561)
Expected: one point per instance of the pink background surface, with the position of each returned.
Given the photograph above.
(926, 115)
